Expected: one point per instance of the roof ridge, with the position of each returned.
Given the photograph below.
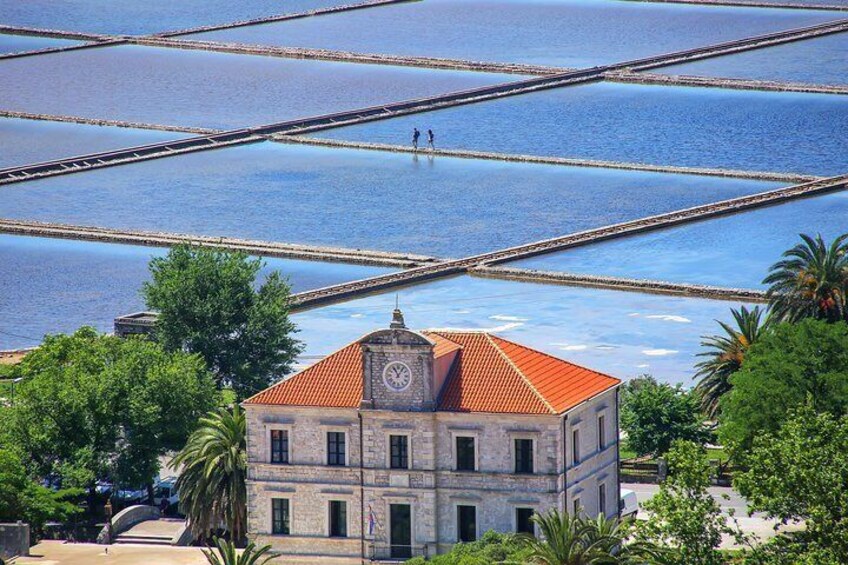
(520, 373)
(438, 333)
(555, 358)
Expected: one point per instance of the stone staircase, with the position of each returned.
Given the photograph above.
(163, 531)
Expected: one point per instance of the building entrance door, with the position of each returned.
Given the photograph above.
(400, 531)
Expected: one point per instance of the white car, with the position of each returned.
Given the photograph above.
(628, 505)
(164, 490)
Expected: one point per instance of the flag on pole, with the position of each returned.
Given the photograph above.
(371, 521)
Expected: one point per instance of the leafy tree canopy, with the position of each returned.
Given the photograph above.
(686, 519)
(23, 499)
(789, 365)
(208, 304)
(654, 415)
(800, 474)
(95, 407)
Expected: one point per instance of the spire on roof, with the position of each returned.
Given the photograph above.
(397, 320)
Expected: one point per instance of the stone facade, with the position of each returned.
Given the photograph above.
(431, 486)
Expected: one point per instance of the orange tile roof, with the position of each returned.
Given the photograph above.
(333, 382)
(490, 374)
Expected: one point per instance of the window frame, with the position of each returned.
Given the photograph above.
(345, 447)
(515, 524)
(532, 461)
(459, 526)
(576, 506)
(288, 443)
(575, 446)
(389, 456)
(602, 498)
(475, 452)
(284, 524)
(602, 432)
(345, 522)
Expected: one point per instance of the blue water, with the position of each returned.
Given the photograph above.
(568, 33)
(52, 285)
(700, 127)
(218, 90)
(364, 199)
(10, 43)
(733, 251)
(143, 16)
(32, 141)
(822, 60)
(623, 334)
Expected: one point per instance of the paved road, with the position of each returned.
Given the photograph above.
(729, 499)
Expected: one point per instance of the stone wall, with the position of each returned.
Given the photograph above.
(431, 487)
(14, 540)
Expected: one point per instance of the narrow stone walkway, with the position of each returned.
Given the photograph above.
(731, 83)
(544, 160)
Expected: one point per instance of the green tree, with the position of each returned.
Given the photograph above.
(790, 365)
(725, 354)
(685, 518)
(799, 473)
(811, 281)
(214, 468)
(23, 499)
(227, 554)
(492, 547)
(207, 304)
(576, 540)
(95, 407)
(654, 415)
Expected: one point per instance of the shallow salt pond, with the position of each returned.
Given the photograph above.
(11, 43)
(366, 199)
(32, 141)
(621, 333)
(696, 127)
(823, 60)
(143, 16)
(732, 251)
(215, 90)
(53, 285)
(565, 33)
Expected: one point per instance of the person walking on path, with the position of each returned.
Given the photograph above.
(431, 140)
(415, 135)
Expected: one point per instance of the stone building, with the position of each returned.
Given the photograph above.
(403, 443)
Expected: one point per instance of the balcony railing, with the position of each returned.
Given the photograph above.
(397, 552)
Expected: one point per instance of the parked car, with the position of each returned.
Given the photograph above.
(629, 504)
(165, 490)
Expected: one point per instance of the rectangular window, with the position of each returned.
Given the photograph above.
(279, 446)
(338, 519)
(399, 456)
(336, 448)
(523, 521)
(602, 433)
(575, 447)
(465, 456)
(602, 499)
(281, 516)
(523, 455)
(575, 506)
(466, 523)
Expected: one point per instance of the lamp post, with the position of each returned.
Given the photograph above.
(108, 510)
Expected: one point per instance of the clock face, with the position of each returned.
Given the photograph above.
(397, 376)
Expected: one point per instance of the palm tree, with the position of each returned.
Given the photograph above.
(575, 540)
(811, 281)
(227, 554)
(725, 354)
(212, 480)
